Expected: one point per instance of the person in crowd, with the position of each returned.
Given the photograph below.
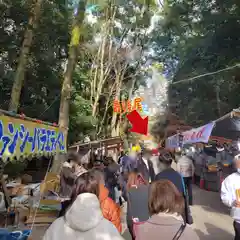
(112, 171)
(230, 195)
(111, 211)
(166, 205)
(69, 172)
(145, 165)
(98, 165)
(128, 163)
(85, 157)
(168, 173)
(136, 195)
(78, 188)
(186, 168)
(83, 218)
(122, 154)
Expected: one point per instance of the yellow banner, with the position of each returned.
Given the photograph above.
(23, 138)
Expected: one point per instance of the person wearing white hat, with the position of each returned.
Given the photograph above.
(230, 195)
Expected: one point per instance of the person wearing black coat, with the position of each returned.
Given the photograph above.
(111, 172)
(145, 166)
(173, 176)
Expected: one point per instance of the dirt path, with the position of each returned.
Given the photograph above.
(211, 218)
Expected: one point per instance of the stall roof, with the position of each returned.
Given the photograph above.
(228, 126)
(96, 144)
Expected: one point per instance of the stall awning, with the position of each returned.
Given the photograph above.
(21, 138)
(81, 147)
(228, 126)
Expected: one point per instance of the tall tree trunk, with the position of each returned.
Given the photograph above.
(106, 109)
(103, 60)
(114, 115)
(67, 80)
(22, 61)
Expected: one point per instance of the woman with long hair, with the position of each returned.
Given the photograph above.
(136, 195)
(166, 206)
(83, 219)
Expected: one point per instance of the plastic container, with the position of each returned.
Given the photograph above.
(16, 235)
(4, 234)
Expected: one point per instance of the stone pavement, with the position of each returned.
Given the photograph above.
(211, 218)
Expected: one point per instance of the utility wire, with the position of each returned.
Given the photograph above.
(55, 99)
(173, 83)
(205, 74)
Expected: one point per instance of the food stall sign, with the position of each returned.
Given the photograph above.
(195, 135)
(24, 138)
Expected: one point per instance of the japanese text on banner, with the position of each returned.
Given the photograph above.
(19, 137)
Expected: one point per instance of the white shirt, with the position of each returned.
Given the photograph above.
(185, 166)
(146, 162)
(228, 193)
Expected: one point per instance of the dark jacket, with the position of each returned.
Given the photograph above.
(173, 176)
(111, 173)
(147, 173)
(67, 179)
(137, 205)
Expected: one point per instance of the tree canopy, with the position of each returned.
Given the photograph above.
(117, 44)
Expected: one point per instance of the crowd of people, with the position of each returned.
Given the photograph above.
(157, 202)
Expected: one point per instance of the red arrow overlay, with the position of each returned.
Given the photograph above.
(139, 124)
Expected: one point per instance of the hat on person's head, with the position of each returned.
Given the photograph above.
(138, 148)
(134, 149)
(155, 151)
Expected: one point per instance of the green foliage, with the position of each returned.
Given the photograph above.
(82, 123)
(197, 38)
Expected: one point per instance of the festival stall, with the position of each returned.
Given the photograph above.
(96, 150)
(23, 139)
(218, 141)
